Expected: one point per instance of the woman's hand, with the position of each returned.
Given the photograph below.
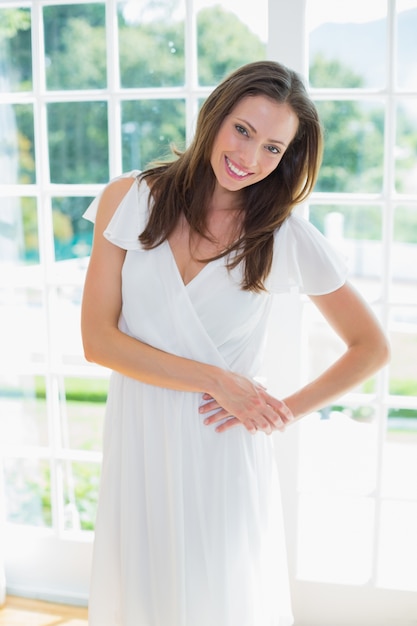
(245, 402)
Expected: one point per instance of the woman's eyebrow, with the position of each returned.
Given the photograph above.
(255, 131)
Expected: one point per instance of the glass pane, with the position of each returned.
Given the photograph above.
(335, 539)
(333, 26)
(15, 50)
(406, 44)
(23, 329)
(81, 483)
(338, 452)
(353, 148)
(28, 491)
(82, 418)
(72, 233)
(399, 474)
(23, 419)
(17, 151)
(75, 46)
(19, 241)
(157, 31)
(398, 546)
(403, 336)
(148, 129)
(404, 256)
(356, 233)
(237, 32)
(64, 319)
(78, 142)
(406, 147)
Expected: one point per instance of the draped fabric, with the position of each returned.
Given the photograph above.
(189, 529)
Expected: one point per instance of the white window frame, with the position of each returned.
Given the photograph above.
(55, 565)
(325, 604)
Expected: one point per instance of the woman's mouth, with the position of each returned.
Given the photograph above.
(234, 170)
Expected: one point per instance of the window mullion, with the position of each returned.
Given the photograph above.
(113, 89)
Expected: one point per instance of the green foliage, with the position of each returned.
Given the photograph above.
(224, 44)
(360, 222)
(403, 387)
(75, 46)
(353, 149)
(86, 389)
(86, 478)
(16, 46)
(152, 55)
(78, 142)
(325, 73)
(405, 224)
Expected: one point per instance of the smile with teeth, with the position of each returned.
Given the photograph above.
(235, 169)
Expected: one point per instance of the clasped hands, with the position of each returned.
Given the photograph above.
(245, 402)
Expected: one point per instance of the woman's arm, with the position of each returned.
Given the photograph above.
(367, 351)
(106, 345)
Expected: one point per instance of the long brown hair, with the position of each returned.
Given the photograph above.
(184, 186)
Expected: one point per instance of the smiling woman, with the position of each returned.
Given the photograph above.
(86, 107)
(186, 258)
(243, 151)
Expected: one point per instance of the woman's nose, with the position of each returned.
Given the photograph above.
(250, 155)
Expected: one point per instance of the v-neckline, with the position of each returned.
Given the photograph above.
(177, 270)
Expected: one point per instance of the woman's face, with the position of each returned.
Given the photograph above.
(251, 141)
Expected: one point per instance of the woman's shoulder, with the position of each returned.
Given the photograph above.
(122, 208)
(304, 258)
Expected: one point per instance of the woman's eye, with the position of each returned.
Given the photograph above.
(241, 129)
(274, 149)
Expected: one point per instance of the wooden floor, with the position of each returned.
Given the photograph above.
(25, 612)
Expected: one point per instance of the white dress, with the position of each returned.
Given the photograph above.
(189, 529)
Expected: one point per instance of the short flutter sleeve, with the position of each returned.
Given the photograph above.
(129, 218)
(304, 260)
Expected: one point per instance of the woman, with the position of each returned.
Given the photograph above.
(186, 257)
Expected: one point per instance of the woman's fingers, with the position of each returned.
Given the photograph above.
(250, 405)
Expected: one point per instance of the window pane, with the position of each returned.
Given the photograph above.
(28, 491)
(148, 129)
(151, 42)
(403, 334)
(398, 546)
(75, 46)
(338, 452)
(78, 142)
(353, 148)
(17, 150)
(406, 147)
(23, 327)
(64, 308)
(15, 50)
(72, 233)
(406, 44)
(82, 418)
(19, 241)
(356, 232)
(333, 26)
(399, 472)
(237, 36)
(81, 482)
(405, 231)
(404, 256)
(23, 419)
(335, 539)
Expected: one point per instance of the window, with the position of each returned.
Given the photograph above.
(89, 89)
(356, 509)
